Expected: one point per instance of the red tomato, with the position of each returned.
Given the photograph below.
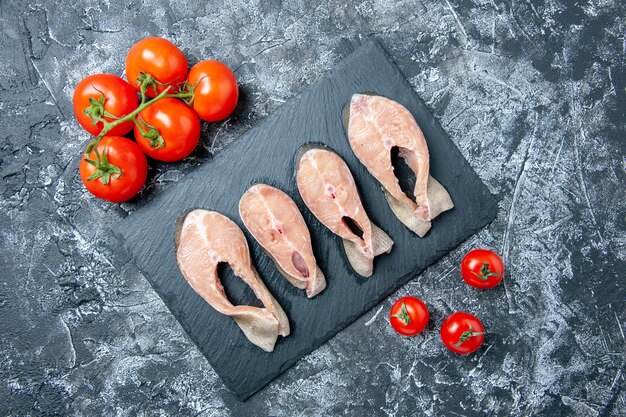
(159, 58)
(482, 268)
(215, 93)
(177, 130)
(409, 316)
(115, 170)
(104, 95)
(462, 333)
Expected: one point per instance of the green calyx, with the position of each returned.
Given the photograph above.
(403, 315)
(147, 82)
(96, 110)
(150, 132)
(467, 334)
(485, 272)
(156, 140)
(104, 169)
(187, 90)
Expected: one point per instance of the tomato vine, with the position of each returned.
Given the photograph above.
(96, 110)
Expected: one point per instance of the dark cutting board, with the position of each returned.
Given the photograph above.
(266, 154)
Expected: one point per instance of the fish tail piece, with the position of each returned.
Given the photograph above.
(277, 311)
(407, 216)
(438, 198)
(316, 284)
(361, 263)
(381, 242)
(263, 332)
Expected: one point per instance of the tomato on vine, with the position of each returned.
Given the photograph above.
(168, 130)
(155, 63)
(115, 169)
(482, 268)
(409, 316)
(462, 333)
(104, 97)
(215, 90)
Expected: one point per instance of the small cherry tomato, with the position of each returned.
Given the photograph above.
(115, 169)
(462, 333)
(160, 59)
(482, 268)
(168, 130)
(409, 316)
(215, 90)
(106, 96)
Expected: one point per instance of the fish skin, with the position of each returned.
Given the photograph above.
(274, 220)
(328, 189)
(203, 240)
(374, 125)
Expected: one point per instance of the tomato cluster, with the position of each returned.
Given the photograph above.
(164, 119)
(460, 332)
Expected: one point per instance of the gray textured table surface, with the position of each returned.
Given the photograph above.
(532, 94)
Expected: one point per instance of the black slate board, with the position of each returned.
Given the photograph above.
(266, 154)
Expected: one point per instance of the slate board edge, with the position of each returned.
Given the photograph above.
(485, 220)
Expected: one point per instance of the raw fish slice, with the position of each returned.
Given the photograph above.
(374, 126)
(274, 220)
(203, 240)
(328, 189)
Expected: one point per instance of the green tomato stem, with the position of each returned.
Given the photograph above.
(403, 316)
(485, 272)
(104, 169)
(466, 335)
(181, 95)
(139, 127)
(107, 126)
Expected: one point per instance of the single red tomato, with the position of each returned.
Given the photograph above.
(482, 268)
(177, 130)
(159, 58)
(115, 169)
(409, 316)
(462, 333)
(106, 96)
(215, 90)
